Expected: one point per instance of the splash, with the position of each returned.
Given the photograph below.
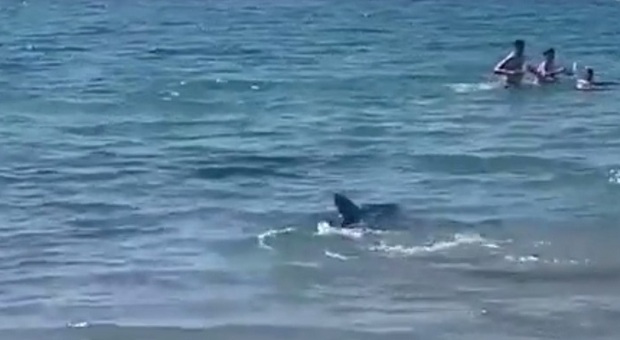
(325, 229)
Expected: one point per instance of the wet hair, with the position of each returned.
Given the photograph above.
(549, 51)
(519, 43)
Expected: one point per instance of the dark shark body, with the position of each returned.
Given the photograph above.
(389, 216)
(369, 215)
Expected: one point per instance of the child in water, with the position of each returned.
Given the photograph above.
(588, 83)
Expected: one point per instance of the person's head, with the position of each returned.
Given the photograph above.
(549, 54)
(589, 74)
(519, 46)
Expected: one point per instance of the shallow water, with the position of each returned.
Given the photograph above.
(167, 168)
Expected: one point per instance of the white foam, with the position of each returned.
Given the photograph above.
(304, 264)
(536, 258)
(459, 239)
(270, 234)
(472, 87)
(614, 176)
(336, 256)
(522, 259)
(82, 324)
(325, 229)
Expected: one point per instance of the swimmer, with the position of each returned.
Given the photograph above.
(588, 82)
(547, 71)
(511, 67)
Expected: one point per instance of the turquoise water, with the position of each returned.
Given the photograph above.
(167, 171)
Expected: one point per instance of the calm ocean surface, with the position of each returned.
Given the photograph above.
(167, 170)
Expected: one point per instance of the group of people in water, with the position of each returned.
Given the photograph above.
(513, 68)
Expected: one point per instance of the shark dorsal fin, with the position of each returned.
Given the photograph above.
(349, 211)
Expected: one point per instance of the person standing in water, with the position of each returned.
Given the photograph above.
(547, 71)
(512, 66)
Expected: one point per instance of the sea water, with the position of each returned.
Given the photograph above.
(167, 171)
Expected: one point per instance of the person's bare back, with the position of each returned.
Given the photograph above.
(511, 67)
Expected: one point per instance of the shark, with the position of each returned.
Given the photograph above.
(368, 215)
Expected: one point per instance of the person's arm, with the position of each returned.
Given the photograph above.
(543, 73)
(559, 70)
(537, 72)
(500, 68)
